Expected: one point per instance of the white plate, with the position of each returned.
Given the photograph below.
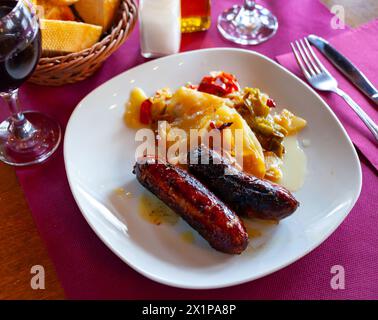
(99, 156)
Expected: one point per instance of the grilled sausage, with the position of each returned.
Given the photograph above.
(199, 207)
(244, 193)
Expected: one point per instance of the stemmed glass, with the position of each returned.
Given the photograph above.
(248, 24)
(29, 137)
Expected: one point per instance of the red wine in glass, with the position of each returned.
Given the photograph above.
(17, 63)
(29, 137)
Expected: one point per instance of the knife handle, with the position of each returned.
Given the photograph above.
(372, 126)
(346, 67)
(375, 98)
(349, 69)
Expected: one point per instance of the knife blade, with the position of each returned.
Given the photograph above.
(346, 67)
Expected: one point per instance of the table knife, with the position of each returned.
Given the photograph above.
(346, 67)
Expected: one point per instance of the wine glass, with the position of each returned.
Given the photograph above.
(29, 137)
(248, 24)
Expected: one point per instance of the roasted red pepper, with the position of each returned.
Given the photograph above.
(219, 84)
(145, 115)
(271, 103)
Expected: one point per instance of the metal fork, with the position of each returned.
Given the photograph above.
(319, 77)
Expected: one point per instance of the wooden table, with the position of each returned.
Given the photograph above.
(20, 244)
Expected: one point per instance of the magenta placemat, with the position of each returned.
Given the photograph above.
(360, 46)
(87, 269)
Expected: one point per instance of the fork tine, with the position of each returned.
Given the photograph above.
(308, 56)
(304, 58)
(312, 52)
(299, 61)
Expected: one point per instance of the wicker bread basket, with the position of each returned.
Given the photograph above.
(73, 67)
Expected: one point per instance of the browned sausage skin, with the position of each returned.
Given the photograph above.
(199, 207)
(244, 193)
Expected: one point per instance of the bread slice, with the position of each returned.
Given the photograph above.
(99, 12)
(48, 10)
(62, 37)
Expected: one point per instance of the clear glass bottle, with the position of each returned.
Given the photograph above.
(160, 28)
(195, 15)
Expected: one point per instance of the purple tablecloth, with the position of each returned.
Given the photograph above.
(87, 269)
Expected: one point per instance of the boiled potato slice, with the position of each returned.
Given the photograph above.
(131, 116)
(186, 102)
(253, 157)
(273, 165)
(290, 122)
(192, 109)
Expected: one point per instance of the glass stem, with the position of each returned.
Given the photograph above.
(249, 5)
(12, 99)
(19, 126)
